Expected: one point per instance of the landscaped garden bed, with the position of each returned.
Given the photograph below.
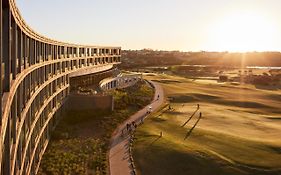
(79, 145)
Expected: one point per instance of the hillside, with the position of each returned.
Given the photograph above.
(144, 58)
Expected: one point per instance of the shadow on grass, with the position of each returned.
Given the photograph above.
(275, 149)
(273, 118)
(242, 104)
(194, 97)
(271, 88)
(190, 131)
(190, 117)
(173, 112)
(167, 81)
(155, 140)
(157, 119)
(274, 97)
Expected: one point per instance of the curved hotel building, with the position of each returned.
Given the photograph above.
(34, 85)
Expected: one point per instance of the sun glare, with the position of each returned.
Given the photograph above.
(243, 32)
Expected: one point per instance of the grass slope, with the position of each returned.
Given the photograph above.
(239, 132)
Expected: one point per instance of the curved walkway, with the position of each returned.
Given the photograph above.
(119, 159)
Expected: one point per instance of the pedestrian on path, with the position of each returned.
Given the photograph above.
(119, 156)
(198, 106)
(149, 110)
(134, 124)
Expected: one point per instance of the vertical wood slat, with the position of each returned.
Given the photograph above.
(7, 153)
(19, 46)
(24, 55)
(14, 50)
(7, 48)
(1, 47)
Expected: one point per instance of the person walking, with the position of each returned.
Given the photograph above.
(134, 124)
(128, 126)
(149, 110)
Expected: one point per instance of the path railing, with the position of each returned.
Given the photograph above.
(121, 81)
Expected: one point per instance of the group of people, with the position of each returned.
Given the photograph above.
(130, 126)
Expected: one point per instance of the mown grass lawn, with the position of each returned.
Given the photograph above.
(233, 137)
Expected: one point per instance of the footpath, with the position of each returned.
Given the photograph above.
(119, 156)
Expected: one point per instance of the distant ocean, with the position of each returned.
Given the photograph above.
(248, 67)
(262, 67)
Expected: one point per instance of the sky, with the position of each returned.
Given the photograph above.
(185, 25)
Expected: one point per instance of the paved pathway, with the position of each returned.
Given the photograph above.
(118, 154)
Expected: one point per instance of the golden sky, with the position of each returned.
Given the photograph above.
(187, 25)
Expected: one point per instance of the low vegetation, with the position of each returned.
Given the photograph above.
(132, 59)
(80, 142)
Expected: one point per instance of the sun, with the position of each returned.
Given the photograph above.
(243, 31)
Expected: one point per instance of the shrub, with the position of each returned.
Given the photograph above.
(223, 78)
